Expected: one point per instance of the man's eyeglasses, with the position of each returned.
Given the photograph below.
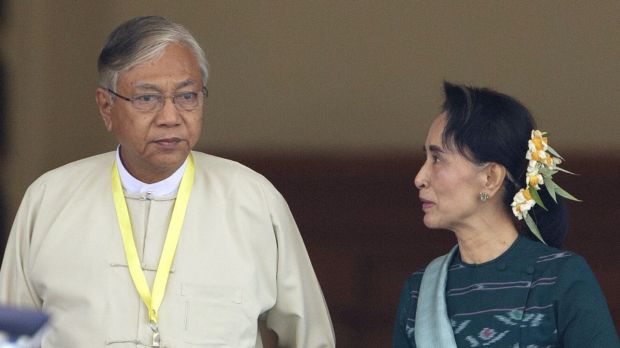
(153, 102)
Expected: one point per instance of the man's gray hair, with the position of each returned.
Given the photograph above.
(140, 40)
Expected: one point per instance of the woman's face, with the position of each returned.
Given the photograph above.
(449, 183)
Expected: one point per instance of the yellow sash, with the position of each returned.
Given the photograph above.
(153, 299)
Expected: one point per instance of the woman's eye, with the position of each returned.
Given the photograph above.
(435, 158)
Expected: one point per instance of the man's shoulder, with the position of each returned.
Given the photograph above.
(234, 177)
(225, 168)
(90, 167)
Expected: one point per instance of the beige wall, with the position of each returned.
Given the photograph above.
(301, 76)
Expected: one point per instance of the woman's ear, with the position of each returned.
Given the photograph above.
(494, 178)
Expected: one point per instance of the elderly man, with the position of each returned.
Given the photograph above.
(156, 245)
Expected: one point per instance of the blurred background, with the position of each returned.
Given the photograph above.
(331, 101)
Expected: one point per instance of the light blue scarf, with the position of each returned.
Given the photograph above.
(432, 325)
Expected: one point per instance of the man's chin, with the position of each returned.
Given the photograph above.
(167, 160)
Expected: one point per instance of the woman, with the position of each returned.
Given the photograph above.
(504, 284)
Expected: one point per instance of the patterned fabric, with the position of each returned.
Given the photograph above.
(531, 296)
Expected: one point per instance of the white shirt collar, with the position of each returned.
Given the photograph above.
(168, 186)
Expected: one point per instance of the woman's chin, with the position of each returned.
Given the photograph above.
(433, 223)
(429, 222)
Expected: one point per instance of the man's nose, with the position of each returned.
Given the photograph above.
(169, 113)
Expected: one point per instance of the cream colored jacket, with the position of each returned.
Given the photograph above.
(240, 260)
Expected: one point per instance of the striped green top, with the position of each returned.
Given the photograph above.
(531, 296)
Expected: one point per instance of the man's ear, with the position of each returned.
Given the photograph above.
(104, 102)
(494, 178)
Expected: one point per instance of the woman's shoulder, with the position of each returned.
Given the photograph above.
(547, 255)
(582, 312)
(414, 280)
(549, 260)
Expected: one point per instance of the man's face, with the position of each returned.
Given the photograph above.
(154, 144)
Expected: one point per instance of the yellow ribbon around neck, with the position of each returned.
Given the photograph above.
(153, 299)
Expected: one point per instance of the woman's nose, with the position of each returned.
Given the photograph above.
(421, 180)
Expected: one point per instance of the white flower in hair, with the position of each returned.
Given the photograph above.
(538, 141)
(522, 203)
(534, 178)
(543, 164)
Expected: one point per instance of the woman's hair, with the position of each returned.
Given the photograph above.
(142, 39)
(487, 126)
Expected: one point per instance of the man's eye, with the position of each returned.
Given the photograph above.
(188, 96)
(146, 98)
(436, 158)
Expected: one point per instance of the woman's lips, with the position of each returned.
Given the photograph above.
(426, 204)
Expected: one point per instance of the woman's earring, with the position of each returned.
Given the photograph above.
(484, 196)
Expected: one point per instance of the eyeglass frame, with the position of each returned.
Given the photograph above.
(204, 90)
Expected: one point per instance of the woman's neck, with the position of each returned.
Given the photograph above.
(487, 241)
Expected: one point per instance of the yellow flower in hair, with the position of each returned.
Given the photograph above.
(534, 179)
(538, 142)
(549, 161)
(522, 203)
(543, 163)
(537, 155)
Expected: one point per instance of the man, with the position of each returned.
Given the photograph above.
(155, 245)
